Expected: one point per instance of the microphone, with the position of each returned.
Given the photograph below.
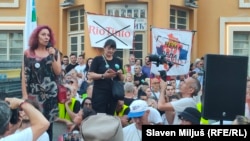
(50, 58)
(48, 45)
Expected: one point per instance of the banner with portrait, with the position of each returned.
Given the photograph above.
(120, 29)
(175, 47)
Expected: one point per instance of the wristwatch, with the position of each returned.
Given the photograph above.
(102, 76)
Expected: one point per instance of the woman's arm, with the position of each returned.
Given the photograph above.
(120, 74)
(71, 113)
(23, 81)
(95, 76)
(108, 74)
(65, 121)
(163, 103)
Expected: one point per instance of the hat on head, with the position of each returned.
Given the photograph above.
(191, 114)
(137, 108)
(101, 127)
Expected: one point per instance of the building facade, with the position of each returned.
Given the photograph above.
(220, 26)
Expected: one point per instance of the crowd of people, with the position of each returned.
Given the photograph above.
(148, 99)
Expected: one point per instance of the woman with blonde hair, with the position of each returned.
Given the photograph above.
(129, 77)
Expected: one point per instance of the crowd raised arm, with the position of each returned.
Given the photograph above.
(38, 123)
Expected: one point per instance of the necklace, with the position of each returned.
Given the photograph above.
(106, 65)
(108, 58)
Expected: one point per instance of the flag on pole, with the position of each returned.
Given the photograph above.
(30, 21)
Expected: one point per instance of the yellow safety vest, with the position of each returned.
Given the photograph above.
(199, 107)
(84, 95)
(63, 114)
(124, 107)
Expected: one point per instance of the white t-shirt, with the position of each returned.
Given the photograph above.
(132, 69)
(43, 137)
(247, 111)
(154, 116)
(25, 135)
(155, 94)
(131, 133)
(77, 96)
(165, 121)
(80, 68)
(181, 104)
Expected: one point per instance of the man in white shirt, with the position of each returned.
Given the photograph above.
(80, 67)
(188, 89)
(38, 123)
(132, 63)
(139, 113)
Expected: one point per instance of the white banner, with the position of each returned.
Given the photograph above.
(174, 46)
(119, 29)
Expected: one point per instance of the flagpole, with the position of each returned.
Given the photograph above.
(151, 47)
(30, 21)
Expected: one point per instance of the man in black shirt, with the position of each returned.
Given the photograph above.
(72, 64)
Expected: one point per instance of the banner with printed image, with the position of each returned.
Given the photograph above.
(175, 47)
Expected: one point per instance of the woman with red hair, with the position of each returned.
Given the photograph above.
(41, 66)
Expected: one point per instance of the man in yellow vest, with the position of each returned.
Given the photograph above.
(122, 111)
(69, 109)
(199, 108)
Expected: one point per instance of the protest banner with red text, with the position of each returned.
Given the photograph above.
(119, 29)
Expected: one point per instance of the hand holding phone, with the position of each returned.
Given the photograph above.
(111, 71)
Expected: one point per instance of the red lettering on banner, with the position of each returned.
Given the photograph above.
(109, 30)
(101, 31)
(127, 34)
(93, 30)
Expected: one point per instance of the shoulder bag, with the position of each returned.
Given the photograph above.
(117, 87)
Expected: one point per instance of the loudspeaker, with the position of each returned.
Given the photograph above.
(224, 86)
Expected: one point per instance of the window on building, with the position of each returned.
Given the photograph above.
(241, 44)
(137, 50)
(11, 45)
(119, 53)
(178, 18)
(76, 31)
(138, 47)
(131, 12)
(76, 19)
